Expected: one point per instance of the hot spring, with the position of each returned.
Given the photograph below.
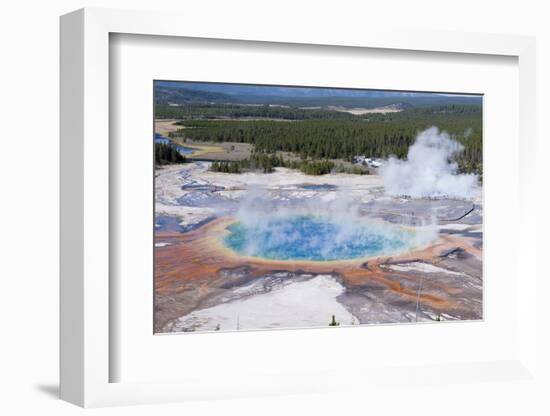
(317, 238)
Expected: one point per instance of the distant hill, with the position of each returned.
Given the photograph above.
(167, 92)
(182, 95)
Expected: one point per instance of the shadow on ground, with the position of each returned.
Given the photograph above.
(51, 390)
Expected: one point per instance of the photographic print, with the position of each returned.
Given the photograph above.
(303, 207)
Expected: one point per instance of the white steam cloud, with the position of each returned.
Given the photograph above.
(260, 212)
(429, 171)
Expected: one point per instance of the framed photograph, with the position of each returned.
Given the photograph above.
(294, 207)
(238, 211)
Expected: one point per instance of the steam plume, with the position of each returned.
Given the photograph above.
(270, 226)
(429, 171)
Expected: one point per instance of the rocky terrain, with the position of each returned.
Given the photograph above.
(200, 284)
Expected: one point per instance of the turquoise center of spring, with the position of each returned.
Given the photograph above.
(316, 238)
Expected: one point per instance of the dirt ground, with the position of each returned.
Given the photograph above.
(220, 151)
(165, 126)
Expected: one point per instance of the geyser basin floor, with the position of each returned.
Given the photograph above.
(196, 271)
(196, 275)
(316, 238)
(312, 297)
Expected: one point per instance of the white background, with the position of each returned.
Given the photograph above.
(29, 209)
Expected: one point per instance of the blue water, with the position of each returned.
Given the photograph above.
(165, 140)
(317, 239)
(321, 187)
(161, 139)
(167, 223)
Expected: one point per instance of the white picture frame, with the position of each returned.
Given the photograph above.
(86, 356)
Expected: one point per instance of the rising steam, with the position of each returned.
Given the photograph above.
(327, 230)
(429, 171)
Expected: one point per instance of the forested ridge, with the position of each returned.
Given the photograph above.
(182, 94)
(373, 135)
(210, 111)
(268, 162)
